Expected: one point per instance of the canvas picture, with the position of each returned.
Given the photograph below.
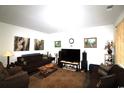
(90, 42)
(38, 44)
(57, 43)
(21, 44)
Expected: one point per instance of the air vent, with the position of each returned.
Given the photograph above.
(109, 8)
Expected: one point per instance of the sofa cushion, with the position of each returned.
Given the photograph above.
(116, 69)
(119, 71)
(120, 79)
(108, 81)
(102, 72)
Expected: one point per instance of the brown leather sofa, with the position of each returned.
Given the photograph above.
(13, 77)
(113, 78)
(31, 62)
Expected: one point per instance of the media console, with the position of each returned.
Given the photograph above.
(71, 64)
(69, 57)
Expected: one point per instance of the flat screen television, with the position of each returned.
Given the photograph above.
(72, 55)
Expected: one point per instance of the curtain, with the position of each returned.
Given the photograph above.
(119, 43)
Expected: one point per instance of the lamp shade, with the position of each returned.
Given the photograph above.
(8, 53)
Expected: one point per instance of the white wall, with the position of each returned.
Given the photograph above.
(7, 34)
(95, 55)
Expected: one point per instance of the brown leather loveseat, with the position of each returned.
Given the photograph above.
(111, 77)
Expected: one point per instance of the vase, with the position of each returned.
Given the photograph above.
(109, 51)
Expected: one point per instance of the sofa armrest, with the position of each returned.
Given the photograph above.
(107, 76)
(14, 70)
(20, 79)
(108, 81)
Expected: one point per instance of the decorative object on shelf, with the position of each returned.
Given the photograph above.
(21, 44)
(90, 42)
(57, 43)
(8, 54)
(109, 47)
(110, 52)
(108, 58)
(38, 44)
(56, 57)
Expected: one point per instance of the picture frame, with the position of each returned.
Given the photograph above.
(57, 43)
(21, 43)
(38, 44)
(90, 42)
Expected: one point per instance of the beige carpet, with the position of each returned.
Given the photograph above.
(60, 79)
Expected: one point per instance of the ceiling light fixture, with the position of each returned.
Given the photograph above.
(61, 17)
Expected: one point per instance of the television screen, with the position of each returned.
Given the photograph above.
(72, 55)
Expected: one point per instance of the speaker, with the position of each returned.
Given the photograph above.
(59, 59)
(84, 61)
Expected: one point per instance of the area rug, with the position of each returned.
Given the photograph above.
(39, 76)
(60, 79)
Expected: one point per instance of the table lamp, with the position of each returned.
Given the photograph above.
(8, 54)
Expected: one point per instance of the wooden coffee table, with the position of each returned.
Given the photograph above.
(47, 69)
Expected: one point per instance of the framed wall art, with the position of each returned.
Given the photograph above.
(38, 44)
(21, 43)
(57, 43)
(90, 42)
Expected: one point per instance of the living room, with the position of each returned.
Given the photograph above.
(9, 32)
(62, 31)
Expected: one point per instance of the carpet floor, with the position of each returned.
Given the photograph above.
(59, 79)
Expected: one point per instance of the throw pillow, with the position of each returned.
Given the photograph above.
(45, 57)
(22, 59)
(102, 72)
(24, 62)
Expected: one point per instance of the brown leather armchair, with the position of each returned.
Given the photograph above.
(13, 77)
